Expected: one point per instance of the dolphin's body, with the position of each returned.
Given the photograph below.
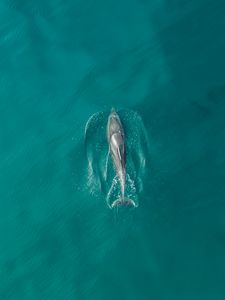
(116, 141)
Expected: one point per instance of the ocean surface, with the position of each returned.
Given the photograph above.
(61, 62)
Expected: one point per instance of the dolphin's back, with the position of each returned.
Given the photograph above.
(115, 135)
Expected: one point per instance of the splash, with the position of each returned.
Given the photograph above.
(101, 174)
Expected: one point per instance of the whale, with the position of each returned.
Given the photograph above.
(117, 151)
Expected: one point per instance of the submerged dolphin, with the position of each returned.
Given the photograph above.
(116, 141)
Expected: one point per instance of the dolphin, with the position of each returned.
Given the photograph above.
(117, 149)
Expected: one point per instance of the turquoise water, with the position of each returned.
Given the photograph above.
(63, 61)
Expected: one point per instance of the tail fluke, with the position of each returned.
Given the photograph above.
(123, 202)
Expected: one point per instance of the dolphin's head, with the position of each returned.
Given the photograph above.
(114, 124)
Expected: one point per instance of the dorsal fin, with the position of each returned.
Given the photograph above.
(119, 154)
